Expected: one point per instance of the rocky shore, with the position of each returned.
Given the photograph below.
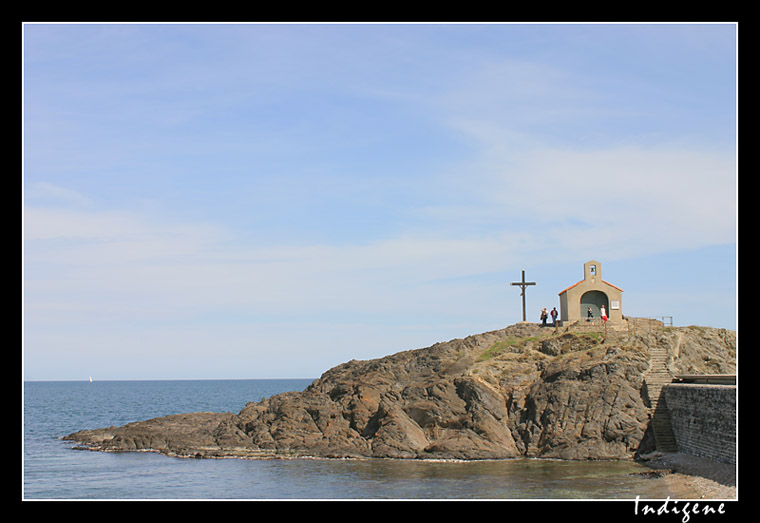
(521, 391)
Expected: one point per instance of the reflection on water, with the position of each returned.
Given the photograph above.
(510, 479)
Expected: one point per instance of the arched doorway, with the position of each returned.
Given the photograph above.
(595, 300)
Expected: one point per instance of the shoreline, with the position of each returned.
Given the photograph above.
(688, 477)
(694, 477)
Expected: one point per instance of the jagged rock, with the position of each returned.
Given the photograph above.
(518, 391)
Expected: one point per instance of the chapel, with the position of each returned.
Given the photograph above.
(591, 293)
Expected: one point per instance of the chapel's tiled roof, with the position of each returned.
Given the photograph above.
(608, 283)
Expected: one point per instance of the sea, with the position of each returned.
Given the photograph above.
(54, 470)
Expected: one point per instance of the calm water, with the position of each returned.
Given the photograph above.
(53, 470)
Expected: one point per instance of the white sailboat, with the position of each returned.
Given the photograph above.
(90, 379)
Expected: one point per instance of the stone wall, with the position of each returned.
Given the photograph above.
(703, 418)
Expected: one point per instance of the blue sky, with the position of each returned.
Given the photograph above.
(271, 200)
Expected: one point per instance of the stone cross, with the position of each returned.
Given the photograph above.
(522, 284)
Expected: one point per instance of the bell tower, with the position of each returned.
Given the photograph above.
(592, 271)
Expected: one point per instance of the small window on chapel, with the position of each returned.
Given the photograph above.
(592, 270)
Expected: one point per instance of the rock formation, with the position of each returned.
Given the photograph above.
(515, 392)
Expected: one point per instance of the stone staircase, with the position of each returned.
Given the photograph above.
(657, 376)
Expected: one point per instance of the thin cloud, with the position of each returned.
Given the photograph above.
(55, 195)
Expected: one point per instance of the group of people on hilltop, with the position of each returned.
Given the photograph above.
(589, 315)
(545, 316)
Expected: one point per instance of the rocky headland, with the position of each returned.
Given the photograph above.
(521, 391)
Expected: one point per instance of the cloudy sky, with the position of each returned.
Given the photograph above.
(270, 200)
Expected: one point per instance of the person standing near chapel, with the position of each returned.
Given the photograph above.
(544, 315)
(554, 316)
(604, 313)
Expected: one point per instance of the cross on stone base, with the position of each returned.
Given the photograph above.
(522, 284)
